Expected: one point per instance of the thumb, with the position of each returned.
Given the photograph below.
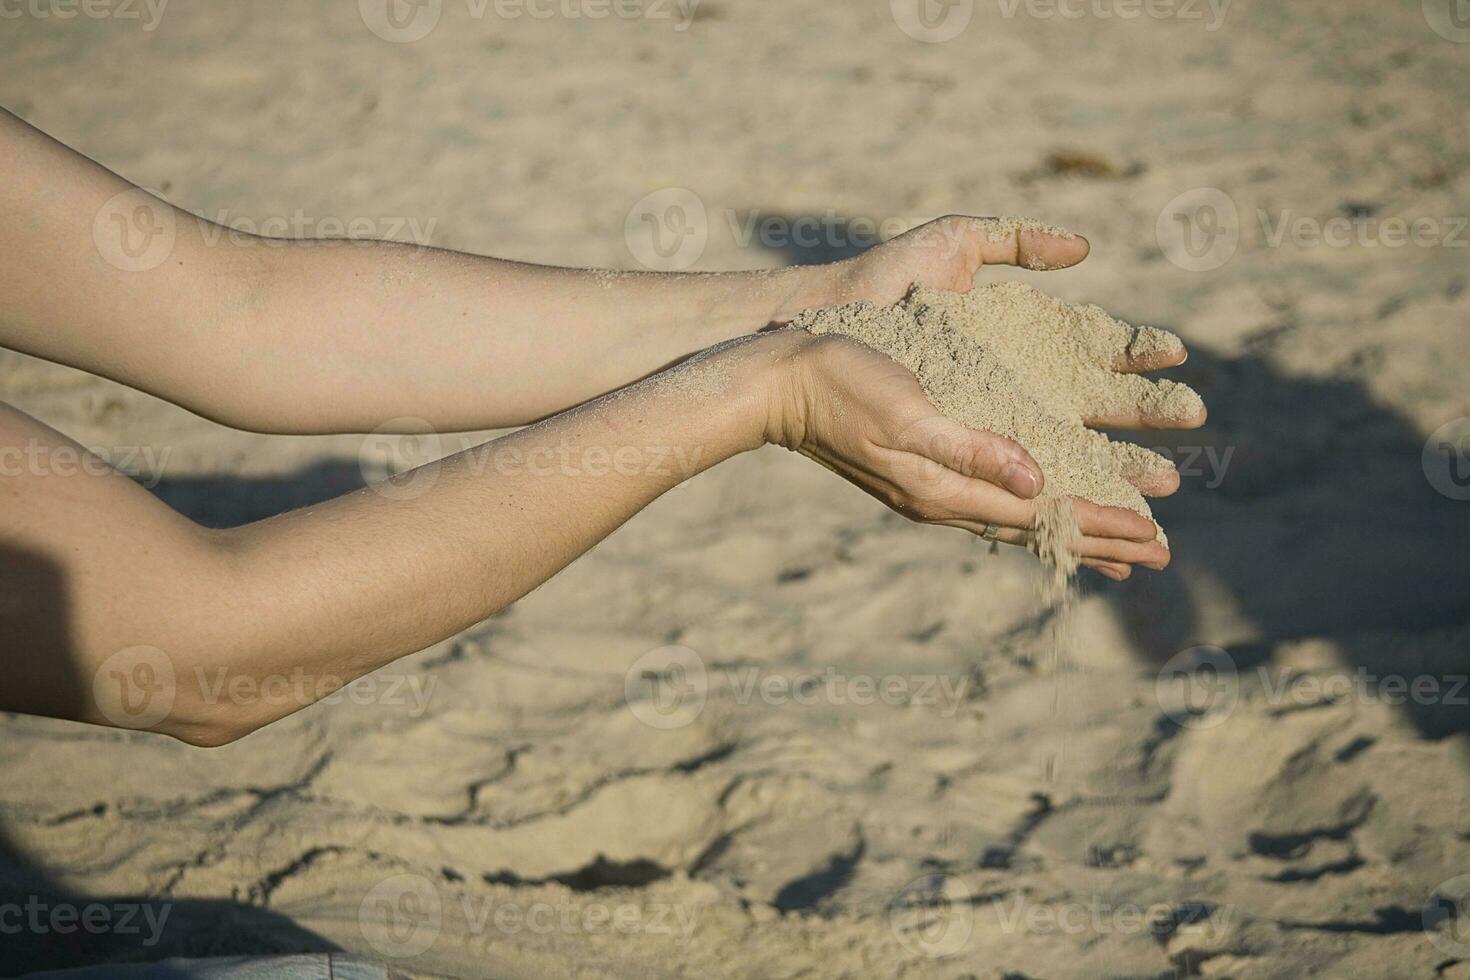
(1012, 241)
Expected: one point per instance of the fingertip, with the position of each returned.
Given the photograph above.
(1142, 529)
(1111, 570)
(1081, 247)
(1157, 483)
(1019, 471)
(1048, 251)
(1021, 480)
(1129, 363)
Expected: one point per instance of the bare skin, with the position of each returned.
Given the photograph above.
(302, 339)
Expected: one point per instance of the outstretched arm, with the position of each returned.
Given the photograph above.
(119, 611)
(299, 338)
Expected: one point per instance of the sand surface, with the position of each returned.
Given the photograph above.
(1078, 822)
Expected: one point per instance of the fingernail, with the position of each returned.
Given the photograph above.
(1020, 480)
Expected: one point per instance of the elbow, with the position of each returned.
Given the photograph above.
(219, 729)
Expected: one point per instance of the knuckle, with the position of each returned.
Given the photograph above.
(979, 457)
(929, 506)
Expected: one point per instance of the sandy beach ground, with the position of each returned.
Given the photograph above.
(769, 729)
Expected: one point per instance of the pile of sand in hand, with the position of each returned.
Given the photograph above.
(1009, 359)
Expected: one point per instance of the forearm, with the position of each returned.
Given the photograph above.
(349, 585)
(361, 335)
(366, 578)
(336, 336)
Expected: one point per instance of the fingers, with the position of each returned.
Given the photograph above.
(1112, 522)
(1044, 251)
(1008, 241)
(1129, 362)
(1151, 554)
(1151, 349)
(1132, 402)
(975, 454)
(1155, 482)
(1112, 570)
(1152, 474)
(1091, 551)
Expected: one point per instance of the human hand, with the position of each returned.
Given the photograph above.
(865, 417)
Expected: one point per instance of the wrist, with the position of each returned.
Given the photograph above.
(811, 287)
(776, 362)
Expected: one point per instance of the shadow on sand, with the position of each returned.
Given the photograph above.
(156, 928)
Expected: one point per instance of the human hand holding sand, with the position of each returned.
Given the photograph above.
(867, 417)
(932, 428)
